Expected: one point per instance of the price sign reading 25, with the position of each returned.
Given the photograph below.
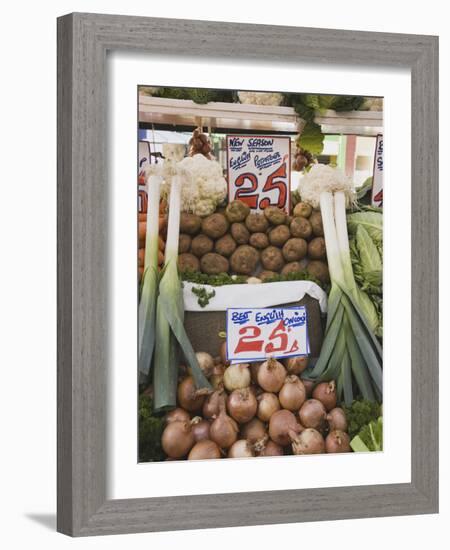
(254, 334)
(259, 170)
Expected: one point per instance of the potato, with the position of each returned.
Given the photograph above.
(279, 235)
(317, 249)
(256, 223)
(319, 270)
(292, 267)
(201, 245)
(215, 225)
(240, 233)
(190, 223)
(225, 246)
(300, 227)
(302, 209)
(188, 262)
(275, 215)
(259, 240)
(237, 211)
(316, 223)
(213, 264)
(244, 260)
(184, 243)
(272, 258)
(295, 249)
(267, 275)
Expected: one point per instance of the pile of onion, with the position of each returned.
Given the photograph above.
(313, 414)
(268, 403)
(309, 442)
(237, 377)
(325, 392)
(204, 449)
(223, 430)
(271, 375)
(282, 424)
(189, 398)
(242, 405)
(292, 394)
(177, 439)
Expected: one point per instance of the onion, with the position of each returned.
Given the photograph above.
(296, 365)
(189, 397)
(337, 420)
(206, 363)
(271, 375)
(326, 393)
(216, 378)
(313, 414)
(241, 449)
(309, 385)
(337, 441)
(205, 449)
(282, 424)
(177, 415)
(177, 439)
(211, 406)
(267, 404)
(309, 442)
(254, 368)
(223, 430)
(223, 353)
(271, 449)
(236, 377)
(293, 394)
(242, 405)
(200, 428)
(255, 432)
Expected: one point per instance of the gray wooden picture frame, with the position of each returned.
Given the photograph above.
(83, 42)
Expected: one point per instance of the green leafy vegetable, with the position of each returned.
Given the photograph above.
(203, 295)
(360, 413)
(150, 431)
(370, 438)
(371, 221)
(311, 139)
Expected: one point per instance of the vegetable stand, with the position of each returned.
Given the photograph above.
(286, 244)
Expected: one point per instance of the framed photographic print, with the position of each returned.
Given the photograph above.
(247, 274)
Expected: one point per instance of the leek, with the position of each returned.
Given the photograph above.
(170, 331)
(149, 284)
(351, 353)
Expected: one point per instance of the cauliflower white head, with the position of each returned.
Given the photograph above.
(204, 186)
(321, 178)
(260, 98)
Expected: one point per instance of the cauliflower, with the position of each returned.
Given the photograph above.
(260, 98)
(372, 104)
(320, 178)
(204, 186)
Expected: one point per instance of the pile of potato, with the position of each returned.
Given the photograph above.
(242, 242)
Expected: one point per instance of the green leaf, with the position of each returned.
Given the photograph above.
(311, 139)
(371, 221)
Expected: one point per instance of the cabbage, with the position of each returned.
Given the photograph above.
(372, 223)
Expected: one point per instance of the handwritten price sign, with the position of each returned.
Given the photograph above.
(259, 170)
(253, 334)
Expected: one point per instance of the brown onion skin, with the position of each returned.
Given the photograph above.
(271, 449)
(223, 353)
(211, 406)
(254, 368)
(223, 430)
(271, 375)
(206, 362)
(312, 414)
(293, 394)
(177, 415)
(237, 376)
(254, 431)
(309, 442)
(337, 420)
(188, 398)
(337, 441)
(281, 424)
(309, 386)
(204, 449)
(296, 365)
(216, 378)
(326, 393)
(200, 428)
(177, 439)
(268, 403)
(240, 449)
(242, 405)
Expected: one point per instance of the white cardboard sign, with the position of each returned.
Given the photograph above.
(254, 334)
(259, 170)
(377, 183)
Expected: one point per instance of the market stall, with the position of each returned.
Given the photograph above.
(260, 268)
